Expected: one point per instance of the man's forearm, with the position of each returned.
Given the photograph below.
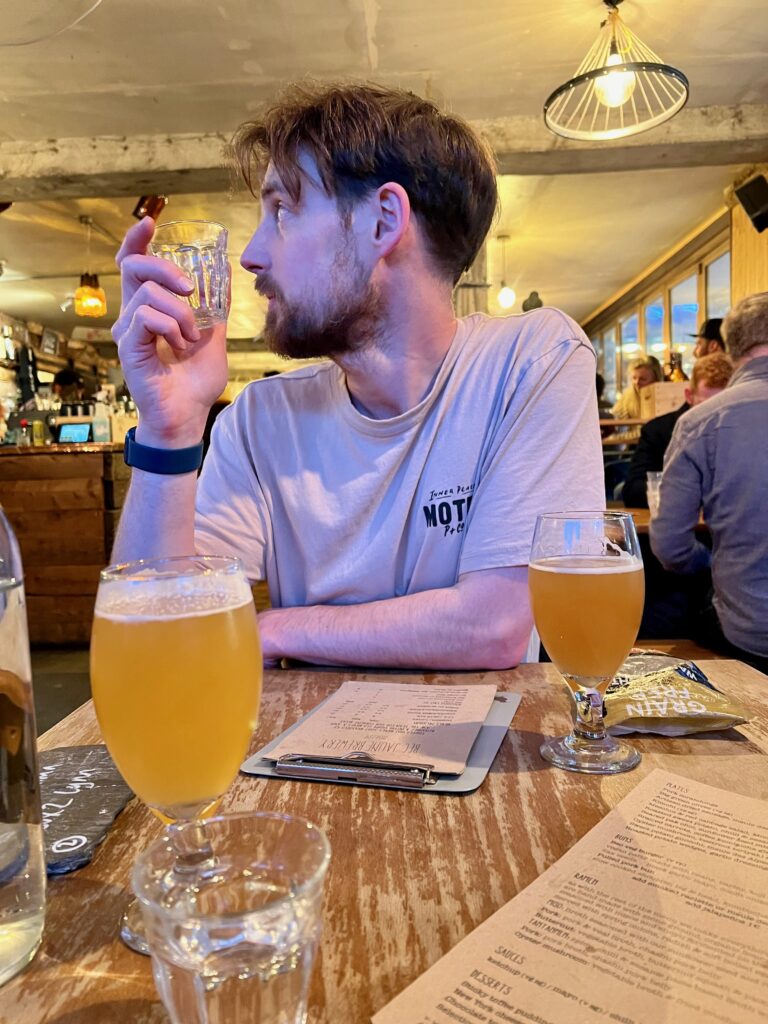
(468, 626)
(158, 517)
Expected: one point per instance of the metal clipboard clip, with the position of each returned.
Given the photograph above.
(358, 767)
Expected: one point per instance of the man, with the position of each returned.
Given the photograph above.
(711, 374)
(718, 461)
(709, 339)
(389, 495)
(68, 385)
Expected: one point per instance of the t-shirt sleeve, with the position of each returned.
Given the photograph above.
(545, 456)
(231, 512)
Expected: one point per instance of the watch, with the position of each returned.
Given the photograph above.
(161, 460)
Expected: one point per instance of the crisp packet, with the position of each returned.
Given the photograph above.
(655, 693)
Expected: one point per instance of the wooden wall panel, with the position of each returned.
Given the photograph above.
(749, 257)
(49, 466)
(64, 494)
(60, 620)
(57, 580)
(60, 538)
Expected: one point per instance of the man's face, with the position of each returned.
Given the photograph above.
(704, 346)
(307, 262)
(642, 377)
(699, 394)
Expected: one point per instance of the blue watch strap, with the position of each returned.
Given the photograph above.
(161, 460)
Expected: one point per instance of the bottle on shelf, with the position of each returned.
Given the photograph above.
(676, 363)
(24, 439)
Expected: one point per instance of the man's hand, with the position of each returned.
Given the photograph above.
(174, 371)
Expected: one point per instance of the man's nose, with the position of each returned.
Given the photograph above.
(255, 258)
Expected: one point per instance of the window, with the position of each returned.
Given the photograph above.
(718, 285)
(630, 345)
(609, 365)
(654, 328)
(685, 319)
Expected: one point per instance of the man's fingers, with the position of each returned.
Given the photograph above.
(145, 325)
(136, 240)
(137, 269)
(156, 296)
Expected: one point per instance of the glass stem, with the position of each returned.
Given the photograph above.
(589, 720)
(194, 853)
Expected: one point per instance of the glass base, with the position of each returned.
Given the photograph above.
(132, 928)
(606, 756)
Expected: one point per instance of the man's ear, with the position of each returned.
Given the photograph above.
(689, 395)
(391, 211)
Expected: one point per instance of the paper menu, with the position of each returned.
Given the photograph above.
(408, 723)
(659, 914)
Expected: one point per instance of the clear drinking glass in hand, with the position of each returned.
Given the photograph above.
(587, 589)
(199, 248)
(176, 672)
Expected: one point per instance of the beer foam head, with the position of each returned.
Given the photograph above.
(588, 564)
(157, 595)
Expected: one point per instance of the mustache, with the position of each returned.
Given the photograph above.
(266, 286)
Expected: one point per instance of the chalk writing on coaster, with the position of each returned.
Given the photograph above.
(82, 793)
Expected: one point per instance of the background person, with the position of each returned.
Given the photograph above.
(388, 495)
(642, 372)
(709, 338)
(710, 375)
(717, 462)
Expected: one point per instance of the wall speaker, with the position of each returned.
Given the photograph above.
(753, 196)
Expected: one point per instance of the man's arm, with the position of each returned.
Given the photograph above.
(482, 622)
(175, 373)
(673, 530)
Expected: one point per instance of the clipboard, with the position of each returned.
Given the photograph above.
(362, 770)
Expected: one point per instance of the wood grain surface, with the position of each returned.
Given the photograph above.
(411, 873)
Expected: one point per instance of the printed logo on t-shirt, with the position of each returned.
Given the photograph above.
(448, 508)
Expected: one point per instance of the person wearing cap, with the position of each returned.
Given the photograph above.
(717, 462)
(709, 339)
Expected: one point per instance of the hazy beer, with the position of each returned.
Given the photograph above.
(176, 683)
(587, 610)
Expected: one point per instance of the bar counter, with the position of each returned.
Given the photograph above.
(64, 503)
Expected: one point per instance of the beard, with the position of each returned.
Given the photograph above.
(346, 319)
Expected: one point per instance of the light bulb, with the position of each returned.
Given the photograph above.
(614, 89)
(506, 297)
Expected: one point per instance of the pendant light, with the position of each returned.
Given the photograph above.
(90, 299)
(506, 297)
(621, 88)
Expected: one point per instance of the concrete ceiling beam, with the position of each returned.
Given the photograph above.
(696, 137)
(148, 164)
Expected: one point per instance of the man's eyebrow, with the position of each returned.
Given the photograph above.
(269, 190)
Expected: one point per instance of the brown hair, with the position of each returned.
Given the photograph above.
(746, 326)
(713, 371)
(362, 136)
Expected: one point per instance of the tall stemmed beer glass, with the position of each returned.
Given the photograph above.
(176, 674)
(587, 590)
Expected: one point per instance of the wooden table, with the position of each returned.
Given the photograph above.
(411, 873)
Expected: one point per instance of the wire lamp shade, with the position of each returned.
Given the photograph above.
(620, 88)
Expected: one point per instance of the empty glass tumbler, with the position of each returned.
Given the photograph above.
(199, 248)
(232, 913)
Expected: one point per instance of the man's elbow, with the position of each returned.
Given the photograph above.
(502, 644)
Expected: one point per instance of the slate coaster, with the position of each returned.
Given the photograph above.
(82, 793)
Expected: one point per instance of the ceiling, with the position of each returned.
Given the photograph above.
(143, 68)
